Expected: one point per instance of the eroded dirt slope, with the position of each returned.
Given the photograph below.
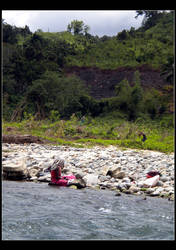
(102, 82)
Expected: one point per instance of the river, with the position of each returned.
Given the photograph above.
(36, 211)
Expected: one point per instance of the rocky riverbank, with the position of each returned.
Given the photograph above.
(100, 167)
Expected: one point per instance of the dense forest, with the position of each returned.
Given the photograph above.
(34, 64)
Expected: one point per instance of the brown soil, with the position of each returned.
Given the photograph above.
(102, 82)
(21, 139)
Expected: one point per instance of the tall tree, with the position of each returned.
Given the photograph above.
(78, 27)
(150, 17)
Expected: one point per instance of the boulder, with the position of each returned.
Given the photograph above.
(103, 178)
(91, 179)
(105, 170)
(116, 172)
(164, 178)
(151, 182)
(32, 172)
(119, 175)
(170, 190)
(126, 191)
(171, 198)
(118, 193)
(16, 170)
(33, 178)
(160, 189)
(155, 193)
(79, 174)
(126, 180)
(159, 184)
(149, 190)
(121, 186)
(134, 189)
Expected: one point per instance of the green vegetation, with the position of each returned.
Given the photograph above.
(38, 98)
(103, 130)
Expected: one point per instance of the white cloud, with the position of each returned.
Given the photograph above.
(100, 22)
(18, 18)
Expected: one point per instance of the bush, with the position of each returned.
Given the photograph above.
(55, 92)
(129, 98)
(54, 116)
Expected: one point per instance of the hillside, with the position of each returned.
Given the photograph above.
(152, 46)
(68, 72)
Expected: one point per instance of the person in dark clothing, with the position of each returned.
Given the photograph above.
(144, 136)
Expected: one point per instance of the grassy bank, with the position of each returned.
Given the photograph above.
(105, 131)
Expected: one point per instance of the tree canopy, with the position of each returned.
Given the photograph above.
(78, 27)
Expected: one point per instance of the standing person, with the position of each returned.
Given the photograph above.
(144, 136)
(59, 180)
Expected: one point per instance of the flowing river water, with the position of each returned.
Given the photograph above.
(36, 211)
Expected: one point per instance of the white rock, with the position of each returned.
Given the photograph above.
(134, 189)
(102, 178)
(164, 178)
(126, 180)
(91, 179)
(16, 170)
(160, 189)
(33, 178)
(151, 182)
(155, 193)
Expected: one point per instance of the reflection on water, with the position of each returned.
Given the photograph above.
(32, 211)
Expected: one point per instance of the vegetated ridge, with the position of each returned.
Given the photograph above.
(45, 72)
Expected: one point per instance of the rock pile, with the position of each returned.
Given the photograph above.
(100, 167)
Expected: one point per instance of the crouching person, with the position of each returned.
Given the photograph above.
(65, 181)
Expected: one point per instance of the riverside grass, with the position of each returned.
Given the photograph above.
(103, 131)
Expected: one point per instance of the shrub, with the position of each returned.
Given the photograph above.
(54, 115)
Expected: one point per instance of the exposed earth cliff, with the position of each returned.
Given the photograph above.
(102, 82)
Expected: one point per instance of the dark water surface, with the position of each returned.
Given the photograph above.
(36, 211)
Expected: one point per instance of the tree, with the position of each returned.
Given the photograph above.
(150, 17)
(61, 50)
(78, 27)
(137, 91)
(151, 102)
(9, 34)
(167, 70)
(132, 32)
(130, 98)
(136, 101)
(55, 92)
(122, 35)
(123, 92)
(86, 29)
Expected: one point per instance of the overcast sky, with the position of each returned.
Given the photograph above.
(101, 23)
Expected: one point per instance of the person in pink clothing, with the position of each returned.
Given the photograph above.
(58, 179)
